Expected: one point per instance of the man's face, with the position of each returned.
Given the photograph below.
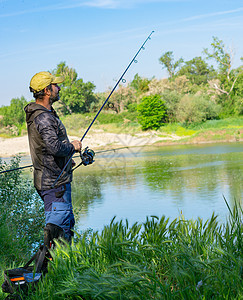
(54, 93)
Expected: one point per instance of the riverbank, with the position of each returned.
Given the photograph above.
(98, 139)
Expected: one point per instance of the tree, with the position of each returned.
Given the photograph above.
(75, 95)
(141, 85)
(167, 61)
(197, 71)
(226, 74)
(237, 93)
(122, 98)
(179, 84)
(14, 113)
(222, 57)
(152, 112)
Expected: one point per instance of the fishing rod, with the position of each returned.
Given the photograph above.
(87, 130)
(30, 166)
(16, 169)
(133, 60)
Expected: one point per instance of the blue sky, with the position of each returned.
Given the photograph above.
(99, 37)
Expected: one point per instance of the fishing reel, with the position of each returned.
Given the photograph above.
(87, 156)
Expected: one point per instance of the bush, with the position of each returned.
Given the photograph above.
(14, 113)
(171, 99)
(196, 109)
(21, 216)
(152, 112)
(132, 107)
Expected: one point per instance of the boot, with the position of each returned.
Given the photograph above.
(51, 232)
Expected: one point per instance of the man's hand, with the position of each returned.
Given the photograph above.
(77, 145)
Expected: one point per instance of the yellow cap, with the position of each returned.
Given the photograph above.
(42, 79)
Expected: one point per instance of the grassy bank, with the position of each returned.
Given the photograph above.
(159, 259)
(230, 129)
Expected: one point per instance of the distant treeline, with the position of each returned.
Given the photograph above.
(193, 92)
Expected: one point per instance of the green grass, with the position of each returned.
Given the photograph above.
(219, 124)
(76, 124)
(213, 130)
(127, 123)
(177, 129)
(158, 259)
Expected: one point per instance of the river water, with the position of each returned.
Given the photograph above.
(138, 182)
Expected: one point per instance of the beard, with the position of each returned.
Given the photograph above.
(54, 98)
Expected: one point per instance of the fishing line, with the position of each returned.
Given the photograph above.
(75, 156)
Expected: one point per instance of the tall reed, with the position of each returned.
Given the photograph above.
(158, 259)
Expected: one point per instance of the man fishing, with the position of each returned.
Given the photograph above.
(50, 150)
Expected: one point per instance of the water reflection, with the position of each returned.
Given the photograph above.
(86, 190)
(159, 181)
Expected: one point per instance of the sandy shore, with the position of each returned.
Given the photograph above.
(19, 145)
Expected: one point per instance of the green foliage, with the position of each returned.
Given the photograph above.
(109, 118)
(158, 259)
(130, 115)
(233, 122)
(21, 217)
(75, 95)
(121, 99)
(77, 123)
(220, 55)
(168, 62)
(196, 109)
(195, 77)
(140, 84)
(100, 99)
(229, 86)
(14, 115)
(171, 99)
(237, 92)
(152, 112)
(132, 107)
(197, 71)
(178, 129)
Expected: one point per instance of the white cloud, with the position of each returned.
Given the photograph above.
(102, 3)
(115, 4)
(105, 4)
(109, 4)
(219, 13)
